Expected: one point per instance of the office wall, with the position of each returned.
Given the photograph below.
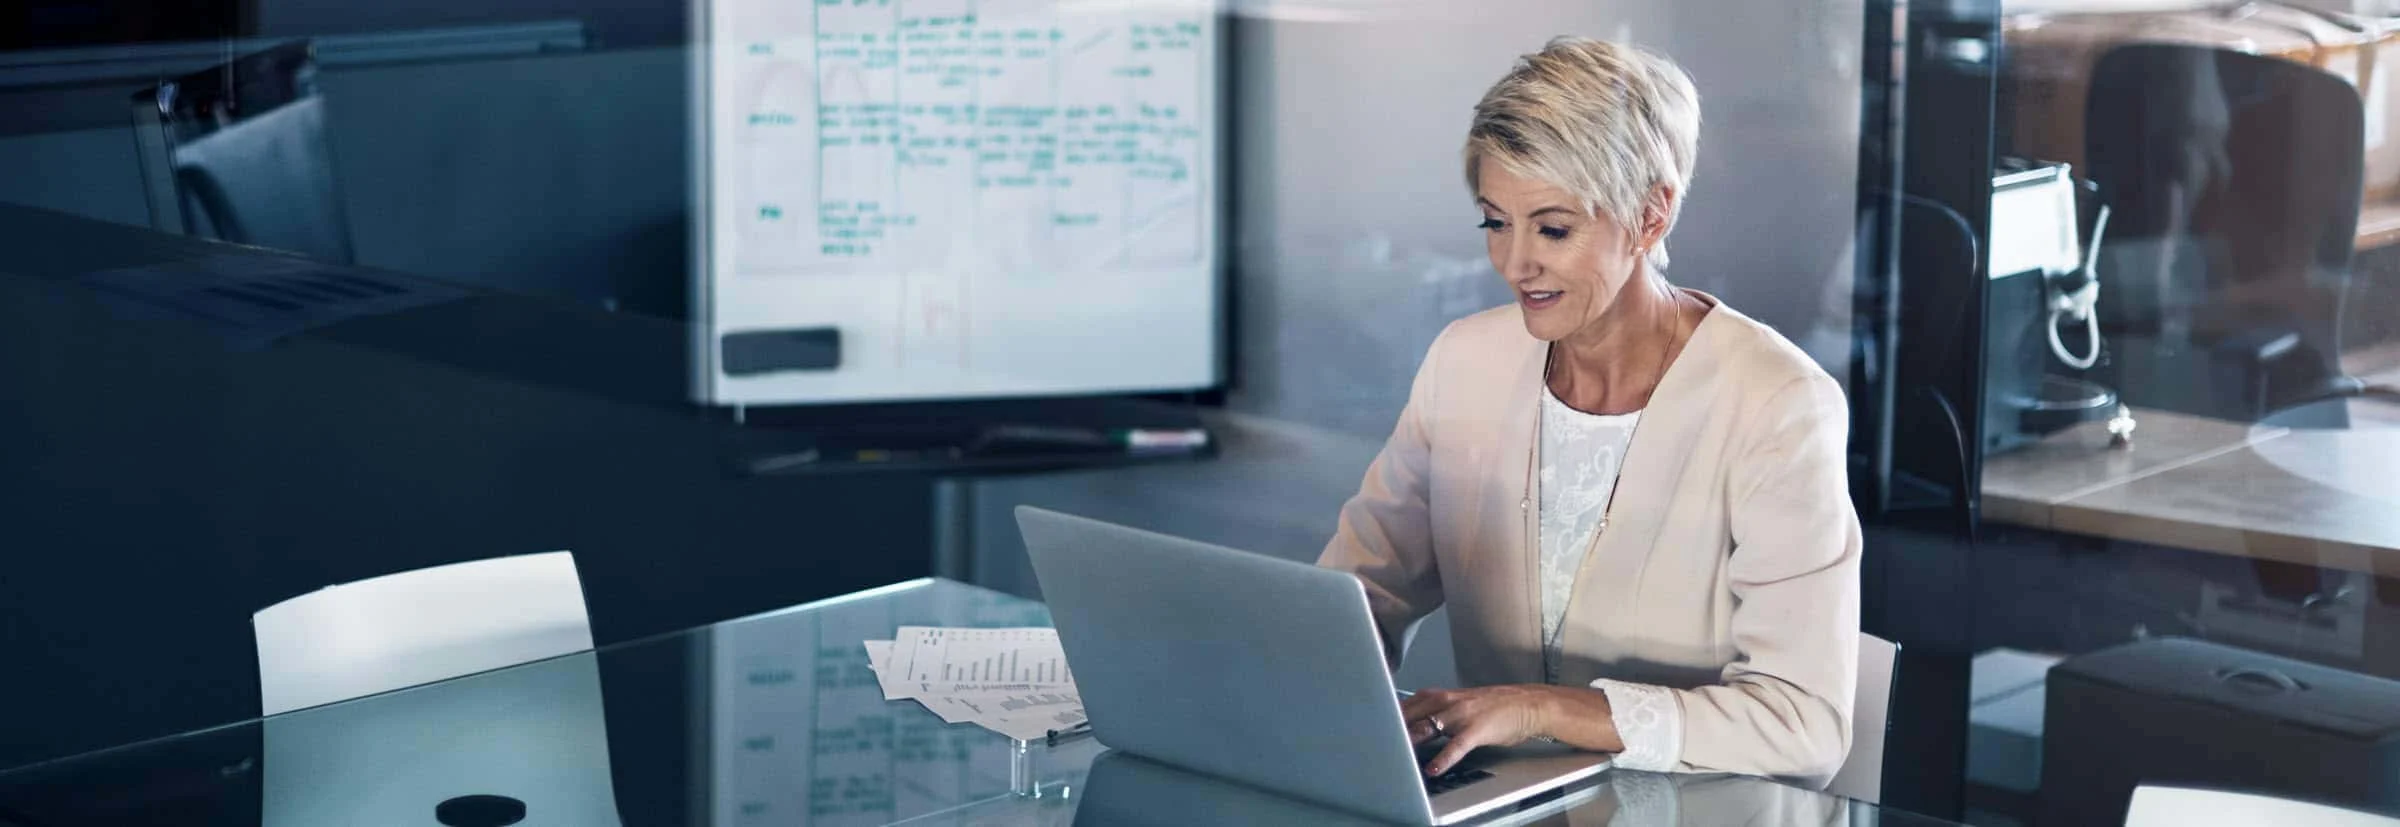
(613, 23)
(1355, 242)
(88, 172)
(558, 175)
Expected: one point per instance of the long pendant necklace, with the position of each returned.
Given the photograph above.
(1532, 459)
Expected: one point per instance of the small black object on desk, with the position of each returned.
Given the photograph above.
(1061, 736)
(480, 811)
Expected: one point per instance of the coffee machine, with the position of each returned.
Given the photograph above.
(2041, 331)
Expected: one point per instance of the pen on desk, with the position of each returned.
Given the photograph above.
(872, 455)
(1070, 733)
(1138, 440)
(783, 462)
(1163, 439)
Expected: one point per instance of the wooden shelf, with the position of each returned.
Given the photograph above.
(2378, 225)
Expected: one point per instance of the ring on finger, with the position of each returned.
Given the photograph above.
(1436, 721)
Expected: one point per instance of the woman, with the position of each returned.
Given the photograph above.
(1631, 498)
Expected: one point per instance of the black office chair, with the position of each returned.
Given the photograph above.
(237, 152)
(2235, 182)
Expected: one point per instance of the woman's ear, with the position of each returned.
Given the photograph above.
(1655, 210)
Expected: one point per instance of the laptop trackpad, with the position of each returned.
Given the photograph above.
(1486, 763)
(1496, 776)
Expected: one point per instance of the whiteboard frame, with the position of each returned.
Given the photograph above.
(1216, 249)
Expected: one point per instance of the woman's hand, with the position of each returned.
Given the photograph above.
(1505, 716)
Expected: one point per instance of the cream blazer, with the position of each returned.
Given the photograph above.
(1727, 570)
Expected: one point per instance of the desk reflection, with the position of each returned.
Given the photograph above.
(535, 735)
(767, 721)
(1127, 790)
(797, 731)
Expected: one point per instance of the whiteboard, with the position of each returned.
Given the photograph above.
(927, 199)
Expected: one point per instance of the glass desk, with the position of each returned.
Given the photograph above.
(772, 719)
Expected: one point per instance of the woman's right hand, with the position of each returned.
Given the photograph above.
(1486, 716)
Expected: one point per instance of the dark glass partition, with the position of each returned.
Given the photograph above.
(2185, 530)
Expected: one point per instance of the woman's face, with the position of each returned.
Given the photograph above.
(1566, 267)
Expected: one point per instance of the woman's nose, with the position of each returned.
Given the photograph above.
(1514, 264)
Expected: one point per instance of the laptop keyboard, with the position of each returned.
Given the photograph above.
(1453, 779)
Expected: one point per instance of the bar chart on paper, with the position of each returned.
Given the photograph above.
(963, 195)
(1006, 656)
(1003, 668)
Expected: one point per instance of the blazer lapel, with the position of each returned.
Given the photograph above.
(1519, 456)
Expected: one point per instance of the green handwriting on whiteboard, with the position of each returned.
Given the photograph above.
(919, 112)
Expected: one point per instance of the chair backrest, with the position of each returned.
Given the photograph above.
(2235, 182)
(2159, 806)
(1861, 775)
(417, 627)
(238, 152)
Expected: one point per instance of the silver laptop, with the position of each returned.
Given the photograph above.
(1256, 669)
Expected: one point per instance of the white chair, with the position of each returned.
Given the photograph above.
(2155, 806)
(417, 627)
(535, 735)
(1861, 775)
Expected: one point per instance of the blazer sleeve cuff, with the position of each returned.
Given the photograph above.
(1649, 720)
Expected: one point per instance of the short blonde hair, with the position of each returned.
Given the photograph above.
(1608, 122)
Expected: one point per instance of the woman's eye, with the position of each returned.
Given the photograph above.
(1492, 224)
(1554, 233)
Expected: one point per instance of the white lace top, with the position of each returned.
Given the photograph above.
(1581, 455)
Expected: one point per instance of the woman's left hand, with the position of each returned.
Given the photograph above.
(1488, 716)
